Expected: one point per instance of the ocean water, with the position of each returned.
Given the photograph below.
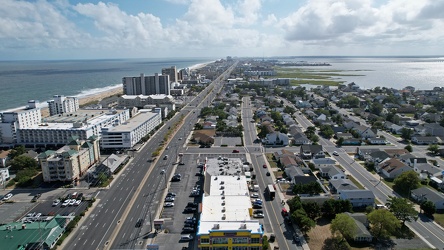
(21, 81)
(391, 72)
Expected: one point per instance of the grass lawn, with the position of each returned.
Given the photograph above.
(439, 218)
(270, 160)
(389, 183)
(355, 182)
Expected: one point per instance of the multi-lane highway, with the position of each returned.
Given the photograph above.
(137, 191)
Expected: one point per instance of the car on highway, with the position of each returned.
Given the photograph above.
(335, 153)
(264, 166)
(267, 174)
(180, 138)
(168, 204)
(139, 222)
(55, 202)
(7, 196)
(235, 151)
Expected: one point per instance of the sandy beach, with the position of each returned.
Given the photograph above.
(91, 98)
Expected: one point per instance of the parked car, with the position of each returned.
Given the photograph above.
(80, 196)
(55, 202)
(36, 197)
(258, 212)
(188, 230)
(264, 166)
(186, 237)
(77, 202)
(169, 199)
(267, 174)
(72, 202)
(168, 204)
(66, 202)
(258, 215)
(190, 210)
(7, 196)
(171, 194)
(235, 151)
(192, 204)
(257, 206)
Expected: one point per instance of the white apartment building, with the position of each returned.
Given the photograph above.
(141, 101)
(126, 135)
(57, 130)
(62, 105)
(12, 121)
(146, 85)
(70, 162)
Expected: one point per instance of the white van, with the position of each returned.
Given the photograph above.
(186, 237)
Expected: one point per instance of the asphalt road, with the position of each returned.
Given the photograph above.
(113, 215)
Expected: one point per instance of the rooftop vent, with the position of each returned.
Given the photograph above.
(243, 226)
(223, 218)
(216, 226)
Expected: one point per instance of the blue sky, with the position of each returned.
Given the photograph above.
(85, 29)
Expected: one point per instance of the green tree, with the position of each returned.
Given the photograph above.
(407, 181)
(376, 108)
(18, 150)
(327, 131)
(344, 225)
(312, 209)
(294, 203)
(276, 116)
(409, 148)
(434, 149)
(22, 162)
(340, 141)
(402, 208)
(332, 207)
(314, 139)
(289, 110)
(406, 133)
(428, 208)
(383, 223)
(302, 220)
(310, 131)
(198, 126)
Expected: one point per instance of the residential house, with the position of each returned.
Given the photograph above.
(321, 118)
(376, 156)
(410, 159)
(433, 129)
(376, 141)
(4, 157)
(431, 117)
(426, 194)
(396, 152)
(288, 161)
(332, 172)
(426, 170)
(425, 140)
(323, 162)
(362, 233)
(392, 168)
(298, 176)
(311, 151)
(338, 185)
(338, 129)
(283, 152)
(365, 132)
(346, 136)
(300, 139)
(363, 152)
(359, 198)
(276, 139)
(209, 125)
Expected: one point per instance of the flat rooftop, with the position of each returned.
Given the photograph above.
(80, 116)
(227, 207)
(134, 122)
(224, 166)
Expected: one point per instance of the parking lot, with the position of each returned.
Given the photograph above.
(229, 141)
(22, 205)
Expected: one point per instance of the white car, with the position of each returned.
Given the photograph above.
(254, 195)
(77, 202)
(168, 204)
(55, 203)
(7, 196)
(72, 202)
(258, 215)
(335, 153)
(66, 203)
(169, 199)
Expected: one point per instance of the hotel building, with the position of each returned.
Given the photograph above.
(126, 135)
(172, 72)
(146, 85)
(71, 161)
(62, 105)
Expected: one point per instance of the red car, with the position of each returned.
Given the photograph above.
(235, 151)
(264, 166)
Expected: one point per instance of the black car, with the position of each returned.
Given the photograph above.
(188, 230)
(256, 206)
(192, 204)
(36, 197)
(139, 222)
(258, 212)
(80, 196)
(188, 225)
(190, 210)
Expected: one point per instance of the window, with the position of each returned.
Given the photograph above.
(255, 240)
(254, 248)
(240, 240)
(220, 240)
(204, 241)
